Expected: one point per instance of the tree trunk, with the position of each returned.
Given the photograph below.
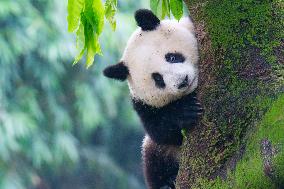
(239, 143)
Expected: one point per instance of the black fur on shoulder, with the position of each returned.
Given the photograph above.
(164, 124)
(118, 71)
(146, 19)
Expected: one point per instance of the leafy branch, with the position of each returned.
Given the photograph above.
(86, 19)
(163, 8)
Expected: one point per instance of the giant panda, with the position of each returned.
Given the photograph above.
(160, 66)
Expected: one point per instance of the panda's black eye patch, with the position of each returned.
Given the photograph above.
(174, 58)
(159, 81)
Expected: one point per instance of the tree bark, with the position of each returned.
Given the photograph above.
(239, 142)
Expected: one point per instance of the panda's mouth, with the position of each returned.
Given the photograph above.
(185, 84)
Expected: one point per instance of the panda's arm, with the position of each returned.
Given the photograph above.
(158, 125)
(187, 111)
(164, 124)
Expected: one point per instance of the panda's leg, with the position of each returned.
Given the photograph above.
(160, 170)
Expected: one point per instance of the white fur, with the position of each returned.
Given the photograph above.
(164, 150)
(145, 54)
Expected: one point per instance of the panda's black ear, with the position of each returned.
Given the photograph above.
(146, 19)
(118, 71)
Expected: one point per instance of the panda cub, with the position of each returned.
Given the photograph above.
(160, 65)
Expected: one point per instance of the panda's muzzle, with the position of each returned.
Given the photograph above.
(184, 83)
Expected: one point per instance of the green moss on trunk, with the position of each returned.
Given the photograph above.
(242, 72)
(262, 165)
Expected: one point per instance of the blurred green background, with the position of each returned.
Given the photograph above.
(62, 126)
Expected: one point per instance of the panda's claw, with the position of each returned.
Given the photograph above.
(190, 115)
(200, 110)
(193, 108)
(191, 104)
(191, 101)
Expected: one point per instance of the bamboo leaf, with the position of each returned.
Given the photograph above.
(165, 9)
(87, 19)
(93, 48)
(91, 42)
(176, 8)
(74, 9)
(160, 9)
(98, 11)
(94, 12)
(80, 43)
(79, 56)
(110, 10)
(154, 6)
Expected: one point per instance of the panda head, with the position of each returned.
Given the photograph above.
(159, 61)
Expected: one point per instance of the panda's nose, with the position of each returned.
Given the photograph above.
(184, 83)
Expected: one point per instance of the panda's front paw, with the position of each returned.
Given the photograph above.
(190, 113)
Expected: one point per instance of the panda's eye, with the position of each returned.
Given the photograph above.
(174, 58)
(159, 81)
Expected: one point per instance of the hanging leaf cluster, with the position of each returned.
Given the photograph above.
(86, 19)
(163, 8)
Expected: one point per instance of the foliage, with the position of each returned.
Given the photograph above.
(164, 8)
(86, 19)
(55, 121)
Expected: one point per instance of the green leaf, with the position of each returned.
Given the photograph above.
(154, 6)
(80, 40)
(74, 9)
(91, 42)
(165, 9)
(79, 56)
(86, 17)
(160, 9)
(110, 10)
(80, 43)
(98, 10)
(93, 48)
(94, 12)
(176, 8)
